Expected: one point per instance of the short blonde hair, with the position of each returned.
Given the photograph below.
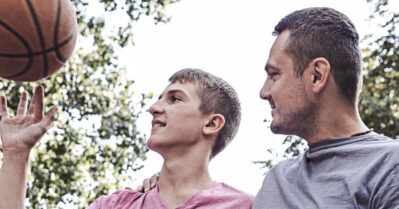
(217, 96)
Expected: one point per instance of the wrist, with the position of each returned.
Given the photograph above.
(15, 156)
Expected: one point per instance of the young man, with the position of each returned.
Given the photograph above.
(313, 84)
(194, 119)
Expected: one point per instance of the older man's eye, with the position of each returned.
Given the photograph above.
(272, 74)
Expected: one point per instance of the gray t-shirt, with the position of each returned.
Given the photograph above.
(355, 172)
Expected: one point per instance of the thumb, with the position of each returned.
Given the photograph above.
(50, 116)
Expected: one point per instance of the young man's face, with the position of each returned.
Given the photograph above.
(285, 91)
(177, 121)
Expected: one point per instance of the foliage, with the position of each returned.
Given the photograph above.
(379, 102)
(94, 143)
(294, 146)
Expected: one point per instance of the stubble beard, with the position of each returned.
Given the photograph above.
(301, 121)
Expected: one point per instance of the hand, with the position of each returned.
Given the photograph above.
(21, 133)
(148, 184)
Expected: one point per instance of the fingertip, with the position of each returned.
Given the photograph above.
(139, 189)
(53, 112)
(38, 90)
(146, 188)
(38, 87)
(54, 109)
(24, 93)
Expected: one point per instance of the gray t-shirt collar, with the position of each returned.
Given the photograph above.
(330, 143)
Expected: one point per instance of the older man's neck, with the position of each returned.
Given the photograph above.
(339, 122)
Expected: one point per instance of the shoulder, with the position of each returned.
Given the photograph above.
(385, 150)
(284, 171)
(372, 146)
(230, 192)
(383, 146)
(385, 193)
(117, 198)
(287, 165)
(381, 139)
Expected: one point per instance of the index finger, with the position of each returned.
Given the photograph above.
(3, 107)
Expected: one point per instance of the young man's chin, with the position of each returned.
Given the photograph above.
(155, 144)
(151, 144)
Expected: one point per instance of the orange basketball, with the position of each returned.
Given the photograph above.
(36, 37)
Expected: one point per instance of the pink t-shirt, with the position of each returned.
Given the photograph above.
(220, 196)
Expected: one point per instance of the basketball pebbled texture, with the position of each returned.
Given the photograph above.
(36, 37)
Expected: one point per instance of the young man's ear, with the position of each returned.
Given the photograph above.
(214, 124)
(319, 74)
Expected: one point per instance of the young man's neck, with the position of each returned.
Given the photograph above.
(183, 176)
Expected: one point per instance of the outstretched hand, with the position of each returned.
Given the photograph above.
(18, 135)
(21, 133)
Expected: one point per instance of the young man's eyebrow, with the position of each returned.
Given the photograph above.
(172, 91)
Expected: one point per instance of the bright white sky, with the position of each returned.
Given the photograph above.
(231, 39)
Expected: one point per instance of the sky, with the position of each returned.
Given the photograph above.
(230, 39)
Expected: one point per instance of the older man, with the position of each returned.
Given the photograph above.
(313, 83)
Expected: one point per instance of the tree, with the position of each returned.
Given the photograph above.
(94, 143)
(294, 146)
(379, 101)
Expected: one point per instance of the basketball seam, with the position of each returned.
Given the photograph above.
(41, 38)
(57, 24)
(26, 44)
(24, 55)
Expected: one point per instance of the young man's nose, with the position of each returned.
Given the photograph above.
(156, 108)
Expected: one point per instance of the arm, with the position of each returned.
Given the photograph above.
(18, 136)
(386, 193)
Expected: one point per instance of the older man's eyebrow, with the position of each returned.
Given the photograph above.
(269, 67)
(266, 69)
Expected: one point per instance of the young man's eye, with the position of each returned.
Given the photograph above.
(175, 99)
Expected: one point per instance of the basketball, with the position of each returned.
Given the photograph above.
(36, 37)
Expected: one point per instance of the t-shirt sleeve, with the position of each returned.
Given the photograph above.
(230, 197)
(115, 199)
(387, 192)
(104, 202)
